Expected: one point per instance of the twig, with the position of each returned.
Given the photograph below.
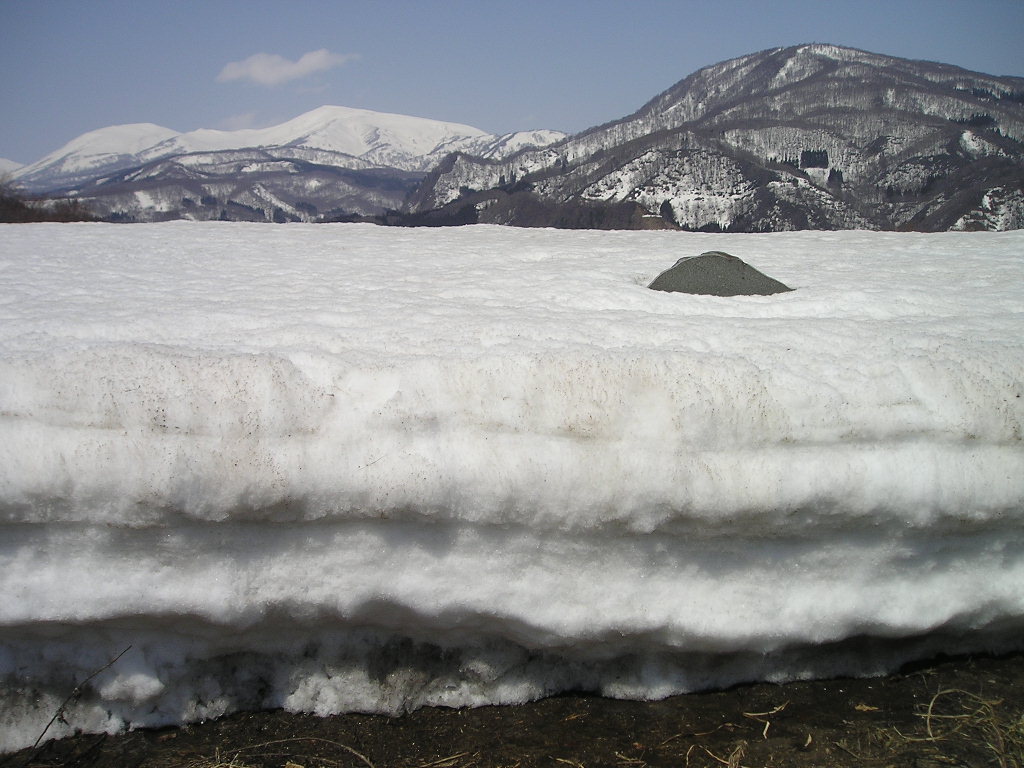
(59, 715)
(693, 734)
(345, 747)
(929, 715)
(629, 760)
(759, 715)
(762, 717)
(715, 757)
(444, 760)
(848, 751)
(734, 758)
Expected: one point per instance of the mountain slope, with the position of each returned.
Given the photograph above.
(807, 137)
(8, 166)
(330, 162)
(383, 139)
(378, 138)
(91, 153)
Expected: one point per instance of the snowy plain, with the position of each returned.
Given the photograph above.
(349, 468)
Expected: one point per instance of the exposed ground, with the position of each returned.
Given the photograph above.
(959, 712)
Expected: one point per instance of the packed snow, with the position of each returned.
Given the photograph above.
(348, 468)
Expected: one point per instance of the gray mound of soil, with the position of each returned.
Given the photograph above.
(716, 273)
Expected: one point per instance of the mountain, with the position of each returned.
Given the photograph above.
(99, 151)
(805, 137)
(330, 162)
(8, 166)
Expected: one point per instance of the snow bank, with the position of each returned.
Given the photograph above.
(340, 467)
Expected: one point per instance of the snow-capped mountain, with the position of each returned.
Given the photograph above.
(8, 166)
(806, 137)
(102, 150)
(328, 162)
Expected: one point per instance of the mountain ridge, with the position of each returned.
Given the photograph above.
(382, 138)
(8, 166)
(810, 136)
(331, 162)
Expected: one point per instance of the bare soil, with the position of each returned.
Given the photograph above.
(965, 712)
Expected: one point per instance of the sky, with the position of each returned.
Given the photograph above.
(71, 67)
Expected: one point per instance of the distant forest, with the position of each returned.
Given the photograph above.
(17, 209)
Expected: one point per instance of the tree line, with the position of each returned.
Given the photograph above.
(15, 208)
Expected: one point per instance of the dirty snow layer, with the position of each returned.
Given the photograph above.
(340, 467)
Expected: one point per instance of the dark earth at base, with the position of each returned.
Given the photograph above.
(959, 712)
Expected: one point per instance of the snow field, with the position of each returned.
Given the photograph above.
(341, 467)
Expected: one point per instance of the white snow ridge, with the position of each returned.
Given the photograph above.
(346, 468)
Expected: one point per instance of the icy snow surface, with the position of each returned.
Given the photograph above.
(340, 467)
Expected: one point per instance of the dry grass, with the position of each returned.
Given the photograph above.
(271, 749)
(957, 722)
(956, 728)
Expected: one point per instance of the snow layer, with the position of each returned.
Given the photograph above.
(340, 467)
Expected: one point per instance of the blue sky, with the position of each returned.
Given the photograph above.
(71, 66)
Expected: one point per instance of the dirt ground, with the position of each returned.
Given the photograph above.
(960, 712)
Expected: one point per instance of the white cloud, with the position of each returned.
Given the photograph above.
(271, 69)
